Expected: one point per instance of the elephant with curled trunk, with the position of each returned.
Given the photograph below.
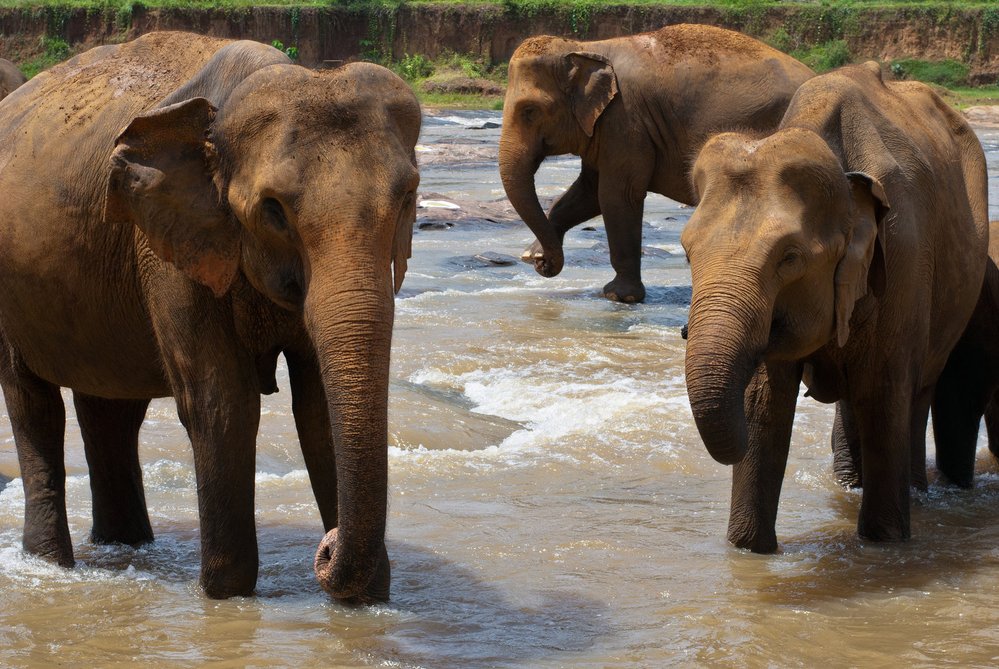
(178, 211)
(10, 78)
(635, 110)
(846, 250)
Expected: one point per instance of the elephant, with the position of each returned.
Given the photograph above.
(845, 250)
(10, 78)
(179, 211)
(968, 387)
(635, 110)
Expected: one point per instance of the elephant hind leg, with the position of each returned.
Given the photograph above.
(992, 423)
(38, 418)
(111, 441)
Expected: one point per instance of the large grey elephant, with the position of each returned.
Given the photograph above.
(636, 110)
(10, 77)
(178, 211)
(847, 250)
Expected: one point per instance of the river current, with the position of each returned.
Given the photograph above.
(550, 502)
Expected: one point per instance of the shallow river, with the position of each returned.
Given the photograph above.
(550, 502)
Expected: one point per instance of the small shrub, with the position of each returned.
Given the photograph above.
(56, 49)
(291, 51)
(412, 68)
(949, 73)
(781, 40)
(823, 57)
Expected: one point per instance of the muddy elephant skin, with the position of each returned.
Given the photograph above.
(180, 211)
(636, 110)
(847, 250)
(10, 78)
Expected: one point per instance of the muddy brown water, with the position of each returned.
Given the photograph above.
(550, 504)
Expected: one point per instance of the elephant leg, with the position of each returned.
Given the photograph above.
(217, 392)
(578, 204)
(623, 221)
(312, 420)
(38, 420)
(957, 416)
(846, 448)
(992, 423)
(757, 479)
(884, 425)
(111, 441)
(917, 447)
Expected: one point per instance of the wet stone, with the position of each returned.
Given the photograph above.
(493, 258)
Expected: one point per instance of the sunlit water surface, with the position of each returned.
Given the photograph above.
(550, 503)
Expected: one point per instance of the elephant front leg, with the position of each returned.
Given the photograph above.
(38, 420)
(578, 204)
(216, 387)
(757, 479)
(312, 420)
(623, 222)
(884, 423)
(111, 441)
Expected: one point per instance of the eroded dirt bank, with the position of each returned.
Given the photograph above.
(492, 32)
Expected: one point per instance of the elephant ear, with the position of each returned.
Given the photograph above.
(402, 245)
(862, 267)
(162, 179)
(592, 84)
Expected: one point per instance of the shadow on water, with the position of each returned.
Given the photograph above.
(441, 613)
(453, 617)
(954, 533)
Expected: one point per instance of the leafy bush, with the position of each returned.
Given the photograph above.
(291, 51)
(949, 73)
(823, 57)
(413, 68)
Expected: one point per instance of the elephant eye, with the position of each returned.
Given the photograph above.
(791, 260)
(272, 213)
(528, 113)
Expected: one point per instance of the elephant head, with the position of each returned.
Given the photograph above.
(781, 246)
(554, 99)
(303, 182)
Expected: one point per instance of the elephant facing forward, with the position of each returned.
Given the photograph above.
(180, 210)
(847, 250)
(636, 110)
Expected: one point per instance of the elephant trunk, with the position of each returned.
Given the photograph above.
(726, 336)
(349, 318)
(518, 164)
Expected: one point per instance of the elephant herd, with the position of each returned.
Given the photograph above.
(180, 210)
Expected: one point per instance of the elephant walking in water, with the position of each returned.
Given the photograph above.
(847, 250)
(178, 211)
(636, 110)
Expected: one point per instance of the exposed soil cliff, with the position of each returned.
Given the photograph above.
(492, 32)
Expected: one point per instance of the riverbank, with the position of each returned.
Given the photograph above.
(952, 44)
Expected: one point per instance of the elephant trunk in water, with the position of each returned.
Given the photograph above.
(518, 164)
(350, 321)
(725, 338)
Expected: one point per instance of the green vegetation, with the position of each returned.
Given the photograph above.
(54, 50)
(948, 73)
(826, 56)
(453, 80)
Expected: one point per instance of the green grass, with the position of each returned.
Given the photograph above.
(948, 73)
(528, 5)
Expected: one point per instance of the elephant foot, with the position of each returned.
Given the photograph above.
(757, 542)
(224, 577)
(888, 533)
(129, 536)
(625, 290)
(58, 551)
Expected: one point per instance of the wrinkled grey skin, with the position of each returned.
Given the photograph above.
(179, 211)
(846, 250)
(10, 78)
(636, 110)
